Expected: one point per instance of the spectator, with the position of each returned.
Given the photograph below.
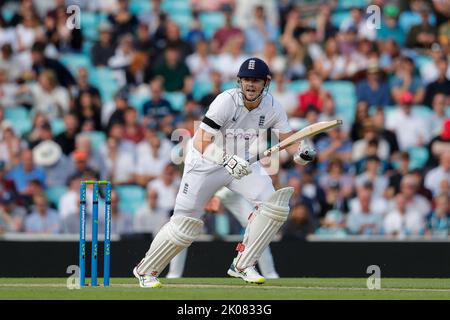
(404, 220)
(149, 218)
(362, 218)
(10, 145)
(370, 133)
(68, 205)
(88, 112)
(120, 157)
(10, 62)
(143, 42)
(331, 65)
(375, 90)
(66, 139)
(409, 188)
(357, 21)
(8, 89)
(48, 155)
(259, 32)
(286, 97)
(335, 176)
(313, 97)
(83, 85)
(439, 115)
(439, 144)
(389, 56)
(48, 96)
(413, 131)
(438, 176)
(325, 27)
(104, 48)
(153, 155)
(390, 27)
(231, 57)
(200, 62)
(59, 35)
(374, 175)
(298, 195)
(332, 225)
(216, 80)
(421, 36)
(334, 199)
(173, 70)
(122, 55)
(335, 143)
(173, 39)
(361, 117)
(26, 171)
(133, 130)
(123, 20)
(441, 85)
(152, 18)
(404, 81)
(42, 219)
(12, 216)
(80, 164)
(166, 187)
(225, 33)
(401, 165)
(28, 31)
(299, 224)
(95, 160)
(40, 62)
(157, 107)
(439, 220)
(275, 61)
(114, 112)
(7, 186)
(388, 135)
(298, 61)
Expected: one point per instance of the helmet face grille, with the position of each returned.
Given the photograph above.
(254, 68)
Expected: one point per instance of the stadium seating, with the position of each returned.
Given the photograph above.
(297, 86)
(418, 157)
(74, 61)
(54, 194)
(183, 20)
(228, 85)
(347, 4)
(19, 118)
(57, 125)
(201, 88)
(176, 99)
(97, 138)
(176, 7)
(131, 197)
(139, 7)
(106, 81)
(338, 17)
(137, 101)
(211, 21)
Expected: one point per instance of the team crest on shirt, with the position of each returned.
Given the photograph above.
(262, 119)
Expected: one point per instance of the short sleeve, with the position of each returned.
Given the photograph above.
(219, 112)
(282, 122)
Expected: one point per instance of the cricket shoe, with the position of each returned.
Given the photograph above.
(249, 274)
(146, 281)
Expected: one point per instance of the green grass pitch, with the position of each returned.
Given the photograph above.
(228, 289)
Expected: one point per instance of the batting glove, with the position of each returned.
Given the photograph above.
(236, 166)
(305, 154)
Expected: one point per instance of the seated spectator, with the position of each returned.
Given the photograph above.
(153, 155)
(334, 199)
(121, 221)
(331, 65)
(389, 56)
(298, 61)
(40, 62)
(231, 57)
(409, 188)
(299, 197)
(80, 164)
(439, 116)
(313, 97)
(359, 22)
(421, 36)
(174, 40)
(166, 185)
(439, 220)
(335, 176)
(422, 189)
(441, 85)
(285, 97)
(64, 39)
(216, 80)
(436, 177)
(8, 89)
(373, 174)
(325, 27)
(69, 203)
(95, 161)
(196, 32)
(228, 31)
(28, 31)
(401, 165)
(47, 96)
(259, 32)
(388, 135)
(334, 143)
(122, 55)
(361, 117)
(439, 144)
(7, 186)
(375, 90)
(104, 48)
(120, 157)
(200, 62)
(42, 219)
(370, 133)
(133, 130)
(390, 28)
(299, 225)
(370, 152)
(48, 155)
(362, 218)
(157, 107)
(404, 81)
(10, 145)
(114, 112)
(332, 225)
(143, 41)
(413, 130)
(404, 220)
(173, 70)
(12, 216)
(135, 73)
(66, 139)
(275, 60)
(150, 217)
(26, 171)
(123, 20)
(45, 133)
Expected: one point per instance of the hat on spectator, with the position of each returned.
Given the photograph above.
(391, 10)
(406, 98)
(47, 153)
(446, 130)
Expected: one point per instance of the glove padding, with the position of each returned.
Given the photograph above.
(305, 154)
(236, 166)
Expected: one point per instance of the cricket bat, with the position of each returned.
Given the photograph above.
(304, 133)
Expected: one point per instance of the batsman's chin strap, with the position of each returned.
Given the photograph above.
(259, 97)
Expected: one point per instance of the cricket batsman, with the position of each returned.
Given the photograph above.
(217, 157)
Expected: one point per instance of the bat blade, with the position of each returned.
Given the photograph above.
(304, 133)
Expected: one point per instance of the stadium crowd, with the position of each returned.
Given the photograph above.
(102, 102)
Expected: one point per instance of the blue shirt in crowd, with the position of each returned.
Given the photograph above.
(21, 178)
